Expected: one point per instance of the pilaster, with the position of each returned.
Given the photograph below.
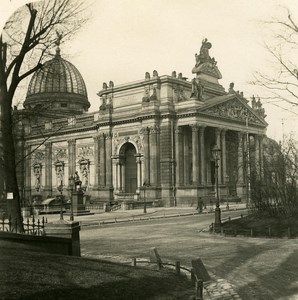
(186, 158)
(153, 155)
(240, 158)
(48, 168)
(102, 161)
(108, 137)
(71, 156)
(179, 156)
(96, 160)
(146, 155)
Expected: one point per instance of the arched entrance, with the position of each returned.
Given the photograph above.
(128, 156)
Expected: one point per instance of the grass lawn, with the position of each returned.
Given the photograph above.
(33, 275)
(279, 226)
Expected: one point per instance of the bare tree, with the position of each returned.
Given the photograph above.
(25, 43)
(280, 79)
(277, 194)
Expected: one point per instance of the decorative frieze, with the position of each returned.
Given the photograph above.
(85, 151)
(233, 109)
(60, 153)
(38, 155)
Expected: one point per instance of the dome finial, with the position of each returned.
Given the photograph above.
(57, 42)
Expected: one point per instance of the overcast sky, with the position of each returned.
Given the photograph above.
(126, 38)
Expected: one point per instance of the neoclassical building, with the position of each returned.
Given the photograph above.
(151, 137)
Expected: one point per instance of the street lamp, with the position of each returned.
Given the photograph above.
(216, 156)
(71, 183)
(60, 189)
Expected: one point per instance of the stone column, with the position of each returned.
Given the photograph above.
(217, 142)
(240, 158)
(146, 156)
(139, 172)
(102, 161)
(195, 154)
(71, 156)
(48, 168)
(122, 175)
(143, 169)
(179, 157)
(115, 174)
(96, 160)
(108, 160)
(153, 155)
(202, 156)
(223, 156)
(186, 158)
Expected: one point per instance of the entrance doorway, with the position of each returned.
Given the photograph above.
(128, 153)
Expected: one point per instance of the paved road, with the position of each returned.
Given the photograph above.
(257, 268)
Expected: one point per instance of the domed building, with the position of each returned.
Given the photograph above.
(57, 86)
(149, 141)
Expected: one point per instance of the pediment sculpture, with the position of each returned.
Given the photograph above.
(233, 109)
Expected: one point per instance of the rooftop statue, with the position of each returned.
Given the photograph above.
(204, 53)
(204, 63)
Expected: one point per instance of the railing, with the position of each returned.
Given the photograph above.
(199, 285)
(115, 207)
(265, 231)
(32, 227)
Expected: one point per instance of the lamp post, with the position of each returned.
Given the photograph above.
(60, 189)
(216, 156)
(71, 182)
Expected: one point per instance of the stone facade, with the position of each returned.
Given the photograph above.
(157, 132)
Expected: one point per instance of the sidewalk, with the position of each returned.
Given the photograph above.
(100, 217)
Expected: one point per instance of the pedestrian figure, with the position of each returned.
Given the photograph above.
(200, 205)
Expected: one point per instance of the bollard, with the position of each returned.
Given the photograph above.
(199, 289)
(177, 266)
(289, 232)
(221, 230)
(269, 231)
(251, 232)
(134, 262)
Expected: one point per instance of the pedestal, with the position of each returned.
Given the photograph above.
(66, 229)
(78, 206)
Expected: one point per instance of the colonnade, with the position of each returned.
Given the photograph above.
(195, 169)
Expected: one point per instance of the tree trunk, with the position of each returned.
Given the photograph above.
(10, 177)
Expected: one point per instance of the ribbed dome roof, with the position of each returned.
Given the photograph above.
(57, 81)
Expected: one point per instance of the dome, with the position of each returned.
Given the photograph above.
(58, 85)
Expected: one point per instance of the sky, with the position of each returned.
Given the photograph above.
(126, 38)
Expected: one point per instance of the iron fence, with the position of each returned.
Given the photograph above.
(30, 226)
